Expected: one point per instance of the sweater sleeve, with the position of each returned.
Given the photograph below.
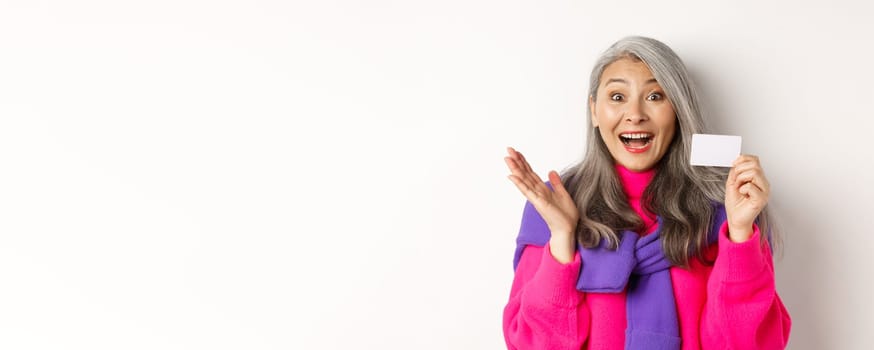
(545, 310)
(743, 310)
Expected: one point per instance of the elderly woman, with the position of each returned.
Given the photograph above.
(634, 248)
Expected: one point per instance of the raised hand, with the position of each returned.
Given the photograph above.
(746, 194)
(555, 206)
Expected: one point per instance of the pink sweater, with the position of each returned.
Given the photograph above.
(730, 305)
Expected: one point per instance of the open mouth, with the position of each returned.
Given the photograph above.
(636, 139)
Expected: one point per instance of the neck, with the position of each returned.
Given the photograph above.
(634, 183)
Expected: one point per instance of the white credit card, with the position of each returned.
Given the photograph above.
(715, 150)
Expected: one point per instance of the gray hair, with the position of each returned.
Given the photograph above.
(681, 194)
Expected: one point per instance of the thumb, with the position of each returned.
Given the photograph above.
(557, 185)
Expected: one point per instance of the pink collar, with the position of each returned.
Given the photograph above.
(633, 182)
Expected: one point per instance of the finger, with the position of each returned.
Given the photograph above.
(755, 196)
(739, 167)
(735, 183)
(516, 162)
(755, 176)
(513, 153)
(745, 158)
(743, 178)
(529, 176)
(513, 166)
(732, 178)
(745, 189)
(516, 156)
(521, 186)
(749, 165)
(749, 189)
(557, 185)
(526, 191)
(751, 170)
(742, 164)
(747, 175)
(521, 174)
(535, 195)
(520, 161)
(525, 163)
(761, 182)
(746, 165)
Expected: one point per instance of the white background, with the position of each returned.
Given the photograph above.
(329, 174)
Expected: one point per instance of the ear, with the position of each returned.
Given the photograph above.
(592, 111)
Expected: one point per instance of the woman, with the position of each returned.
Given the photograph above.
(634, 248)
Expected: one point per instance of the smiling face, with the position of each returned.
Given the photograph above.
(633, 115)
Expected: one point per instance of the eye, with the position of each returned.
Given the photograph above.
(656, 96)
(616, 97)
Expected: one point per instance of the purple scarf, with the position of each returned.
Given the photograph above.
(638, 263)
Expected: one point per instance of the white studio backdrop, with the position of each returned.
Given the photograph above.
(329, 174)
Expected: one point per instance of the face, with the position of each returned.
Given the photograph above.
(633, 115)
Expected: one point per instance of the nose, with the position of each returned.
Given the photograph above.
(635, 113)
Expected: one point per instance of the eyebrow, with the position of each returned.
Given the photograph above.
(619, 80)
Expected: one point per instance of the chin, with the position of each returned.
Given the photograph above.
(637, 166)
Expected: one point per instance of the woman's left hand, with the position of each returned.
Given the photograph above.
(746, 194)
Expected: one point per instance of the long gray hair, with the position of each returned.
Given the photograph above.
(680, 193)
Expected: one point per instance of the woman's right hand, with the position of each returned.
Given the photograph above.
(555, 206)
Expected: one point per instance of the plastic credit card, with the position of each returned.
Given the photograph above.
(715, 150)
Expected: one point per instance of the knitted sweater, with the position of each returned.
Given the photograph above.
(730, 305)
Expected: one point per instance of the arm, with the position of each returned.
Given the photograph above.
(545, 310)
(743, 310)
